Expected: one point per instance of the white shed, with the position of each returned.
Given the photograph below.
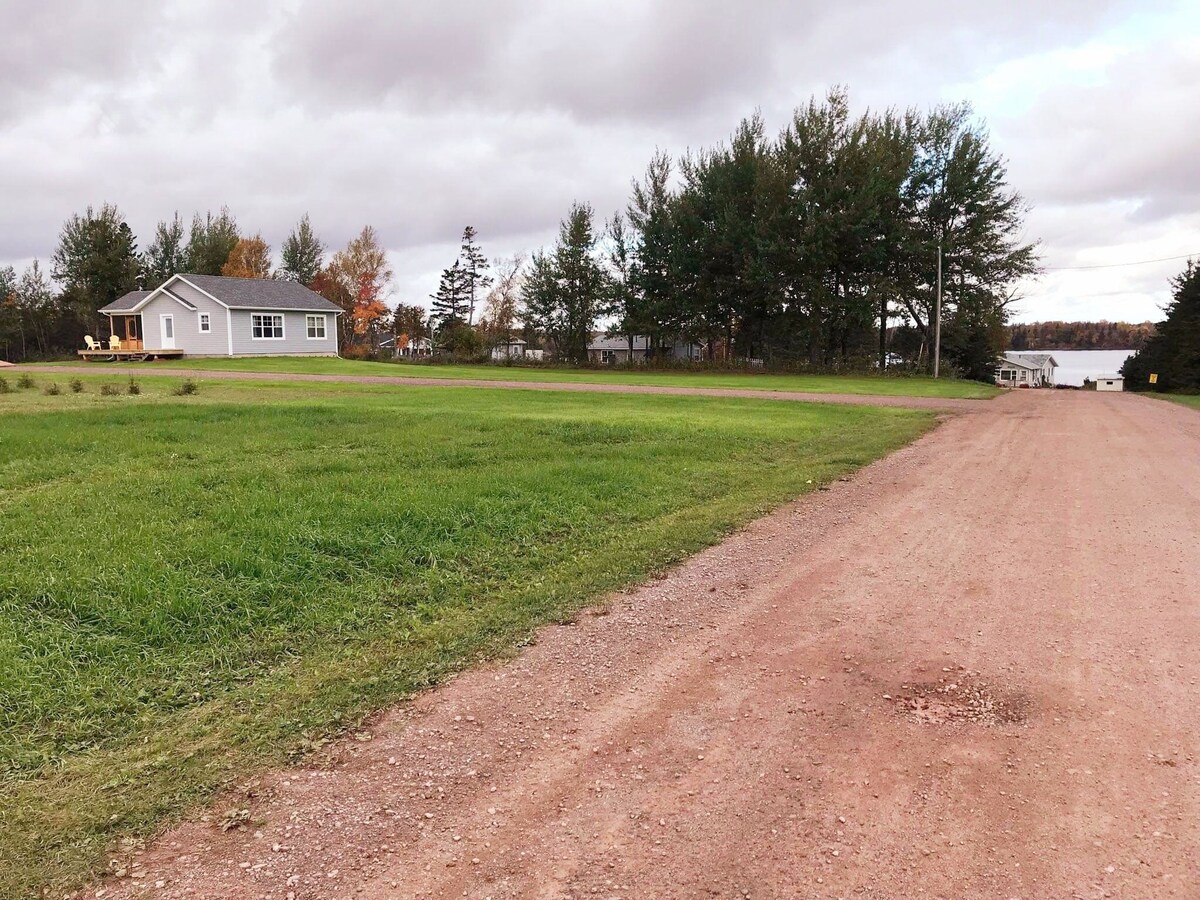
(1110, 383)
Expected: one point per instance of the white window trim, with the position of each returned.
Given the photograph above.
(200, 323)
(324, 326)
(282, 326)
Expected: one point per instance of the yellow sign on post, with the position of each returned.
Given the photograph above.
(1154, 378)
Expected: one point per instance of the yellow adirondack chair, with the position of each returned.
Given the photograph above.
(114, 342)
(92, 343)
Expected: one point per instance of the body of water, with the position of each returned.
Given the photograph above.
(1076, 365)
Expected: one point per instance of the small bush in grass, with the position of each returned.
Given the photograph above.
(109, 390)
(188, 388)
(76, 386)
(134, 387)
(5, 388)
(53, 390)
(25, 381)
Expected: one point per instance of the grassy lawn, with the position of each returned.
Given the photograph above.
(195, 587)
(898, 385)
(1192, 400)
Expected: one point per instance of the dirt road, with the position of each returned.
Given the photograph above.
(949, 404)
(970, 671)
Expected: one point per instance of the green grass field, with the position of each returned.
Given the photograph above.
(1192, 400)
(898, 385)
(196, 587)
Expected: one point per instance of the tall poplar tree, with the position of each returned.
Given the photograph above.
(211, 241)
(166, 255)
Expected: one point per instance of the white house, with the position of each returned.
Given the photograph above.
(211, 315)
(407, 348)
(1032, 369)
(513, 348)
(611, 349)
(1110, 383)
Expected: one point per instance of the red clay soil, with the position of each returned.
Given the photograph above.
(943, 403)
(969, 671)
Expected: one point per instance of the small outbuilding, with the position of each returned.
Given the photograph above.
(1110, 383)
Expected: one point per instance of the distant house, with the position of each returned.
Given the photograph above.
(614, 349)
(1032, 369)
(511, 349)
(1110, 383)
(211, 315)
(408, 348)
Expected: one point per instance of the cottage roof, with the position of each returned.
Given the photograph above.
(235, 293)
(127, 301)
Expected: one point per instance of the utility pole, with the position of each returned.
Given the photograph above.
(937, 313)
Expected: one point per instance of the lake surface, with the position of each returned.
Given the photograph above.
(1076, 365)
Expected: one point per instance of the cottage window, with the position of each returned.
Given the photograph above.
(266, 327)
(205, 323)
(608, 356)
(316, 327)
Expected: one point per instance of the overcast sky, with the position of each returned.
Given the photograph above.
(421, 117)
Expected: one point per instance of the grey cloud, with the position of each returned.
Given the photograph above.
(421, 117)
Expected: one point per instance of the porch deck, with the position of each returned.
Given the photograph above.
(128, 354)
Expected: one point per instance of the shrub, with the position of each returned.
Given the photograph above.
(188, 388)
(134, 387)
(76, 386)
(53, 390)
(4, 386)
(109, 390)
(25, 381)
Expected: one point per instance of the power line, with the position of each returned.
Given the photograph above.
(1140, 262)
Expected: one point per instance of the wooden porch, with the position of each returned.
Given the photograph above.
(129, 354)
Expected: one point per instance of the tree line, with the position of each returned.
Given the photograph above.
(97, 260)
(817, 247)
(1079, 335)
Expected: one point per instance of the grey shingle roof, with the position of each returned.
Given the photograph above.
(261, 293)
(128, 301)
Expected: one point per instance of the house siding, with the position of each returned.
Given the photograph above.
(188, 336)
(295, 335)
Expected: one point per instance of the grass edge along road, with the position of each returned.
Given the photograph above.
(700, 467)
(880, 385)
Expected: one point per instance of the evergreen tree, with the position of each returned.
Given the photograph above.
(96, 261)
(566, 293)
(450, 303)
(166, 254)
(474, 267)
(1173, 353)
(302, 254)
(211, 241)
(650, 302)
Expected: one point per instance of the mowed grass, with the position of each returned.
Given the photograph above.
(882, 385)
(1192, 400)
(193, 588)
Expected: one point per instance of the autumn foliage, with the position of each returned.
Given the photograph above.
(249, 258)
(356, 279)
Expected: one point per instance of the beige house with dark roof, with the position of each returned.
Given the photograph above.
(211, 315)
(1025, 369)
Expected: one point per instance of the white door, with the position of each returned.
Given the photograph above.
(168, 332)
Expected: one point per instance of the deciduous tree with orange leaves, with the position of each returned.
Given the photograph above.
(356, 279)
(249, 258)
